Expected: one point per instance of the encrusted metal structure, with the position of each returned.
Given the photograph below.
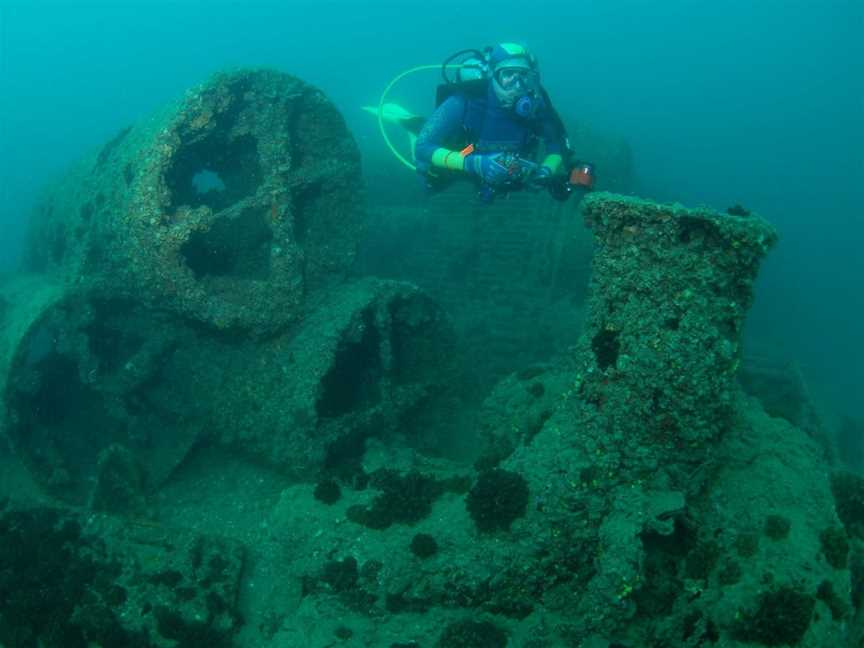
(194, 286)
(230, 207)
(662, 342)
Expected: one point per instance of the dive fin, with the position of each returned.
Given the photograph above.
(391, 112)
(396, 114)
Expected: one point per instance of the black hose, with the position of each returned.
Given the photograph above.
(452, 57)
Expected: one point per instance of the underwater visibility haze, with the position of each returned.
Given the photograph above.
(263, 385)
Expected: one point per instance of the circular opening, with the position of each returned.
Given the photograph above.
(61, 423)
(237, 247)
(214, 166)
(207, 180)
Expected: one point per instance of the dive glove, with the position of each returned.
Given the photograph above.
(487, 167)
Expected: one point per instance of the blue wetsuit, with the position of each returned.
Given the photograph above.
(481, 120)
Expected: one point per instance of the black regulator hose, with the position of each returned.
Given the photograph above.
(474, 52)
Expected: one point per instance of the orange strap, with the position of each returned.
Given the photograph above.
(468, 150)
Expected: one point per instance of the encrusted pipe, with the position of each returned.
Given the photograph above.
(662, 342)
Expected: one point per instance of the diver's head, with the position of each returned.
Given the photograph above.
(515, 78)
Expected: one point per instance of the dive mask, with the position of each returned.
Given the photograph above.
(516, 78)
(517, 87)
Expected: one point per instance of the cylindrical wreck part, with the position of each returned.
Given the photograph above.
(103, 399)
(81, 374)
(669, 291)
(373, 360)
(229, 207)
(24, 300)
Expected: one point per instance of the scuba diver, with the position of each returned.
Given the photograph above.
(489, 124)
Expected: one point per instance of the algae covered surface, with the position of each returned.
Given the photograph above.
(221, 428)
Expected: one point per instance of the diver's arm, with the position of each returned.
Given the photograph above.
(443, 125)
